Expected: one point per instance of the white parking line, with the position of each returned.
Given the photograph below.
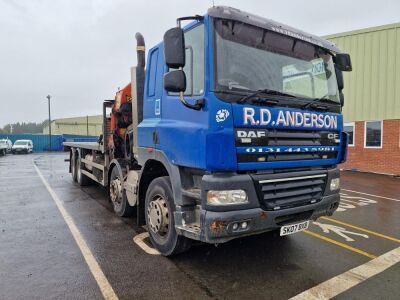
(138, 239)
(351, 278)
(105, 287)
(387, 198)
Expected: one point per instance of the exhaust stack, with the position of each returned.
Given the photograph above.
(137, 85)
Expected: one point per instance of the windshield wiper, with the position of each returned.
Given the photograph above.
(230, 92)
(264, 91)
(317, 100)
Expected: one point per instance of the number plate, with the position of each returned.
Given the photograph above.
(293, 228)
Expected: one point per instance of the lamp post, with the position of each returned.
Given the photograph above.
(48, 98)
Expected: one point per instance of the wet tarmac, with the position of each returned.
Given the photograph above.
(39, 257)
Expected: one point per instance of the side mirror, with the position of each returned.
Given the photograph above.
(343, 62)
(174, 48)
(339, 78)
(175, 81)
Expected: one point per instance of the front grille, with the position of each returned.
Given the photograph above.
(267, 145)
(284, 137)
(286, 192)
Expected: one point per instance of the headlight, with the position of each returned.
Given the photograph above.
(335, 184)
(226, 197)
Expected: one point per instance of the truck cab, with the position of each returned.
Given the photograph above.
(260, 145)
(237, 129)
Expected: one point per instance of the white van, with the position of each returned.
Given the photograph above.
(22, 146)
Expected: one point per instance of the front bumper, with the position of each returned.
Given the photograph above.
(218, 221)
(259, 220)
(20, 150)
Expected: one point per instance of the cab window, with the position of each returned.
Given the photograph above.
(194, 67)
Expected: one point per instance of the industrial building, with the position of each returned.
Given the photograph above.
(372, 98)
(88, 125)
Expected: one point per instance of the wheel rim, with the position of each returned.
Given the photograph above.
(158, 216)
(116, 192)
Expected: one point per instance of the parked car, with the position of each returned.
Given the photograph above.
(22, 146)
(3, 147)
(7, 143)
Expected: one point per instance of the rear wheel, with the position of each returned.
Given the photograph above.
(73, 167)
(117, 194)
(81, 178)
(159, 211)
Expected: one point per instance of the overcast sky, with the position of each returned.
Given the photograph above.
(80, 51)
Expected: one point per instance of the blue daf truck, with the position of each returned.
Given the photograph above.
(233, 127)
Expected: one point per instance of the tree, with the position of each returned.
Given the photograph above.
(29, 127)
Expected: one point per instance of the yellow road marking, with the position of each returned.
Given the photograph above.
(362, 229)
(94, 267)
(356, 250)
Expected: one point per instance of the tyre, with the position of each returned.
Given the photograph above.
(117, 194)
(73, 167)
(81, 178)
(159, 208)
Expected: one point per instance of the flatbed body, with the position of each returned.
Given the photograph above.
(85, 145)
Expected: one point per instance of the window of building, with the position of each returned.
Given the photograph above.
(349, 128)
(373, 133)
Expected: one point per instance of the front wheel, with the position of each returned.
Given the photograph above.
(159, 211)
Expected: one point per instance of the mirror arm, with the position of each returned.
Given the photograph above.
(197, 106)
(341, 97)
(196, 17)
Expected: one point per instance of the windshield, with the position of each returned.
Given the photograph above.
(21, 143)
(249, 58)
(3, 142)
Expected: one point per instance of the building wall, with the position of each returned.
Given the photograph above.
(378, 160)
(91, 125)
(372, 89)
(372, 93)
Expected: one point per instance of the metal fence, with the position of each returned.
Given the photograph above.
(41, 141)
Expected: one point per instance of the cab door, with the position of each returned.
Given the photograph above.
(182, 131)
